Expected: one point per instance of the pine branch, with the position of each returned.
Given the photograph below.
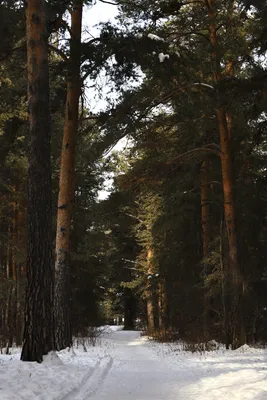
(197, 150)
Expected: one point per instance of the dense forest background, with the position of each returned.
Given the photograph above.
(180, 244)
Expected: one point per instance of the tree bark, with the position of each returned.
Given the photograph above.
(8, 252)
(224, 126)
(162, 305)
(205, 222)
(129, 309)
(149, 291)
(66, 195)
(205, 213)
(19, 320)
(38, 331)
(236, 295)
(224, 286)
(13, 303)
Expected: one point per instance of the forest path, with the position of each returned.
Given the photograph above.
(125, 366)
(139, 373)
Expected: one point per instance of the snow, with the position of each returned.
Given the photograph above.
(203, 84)
(162, 56)
(155, 37)
(124, 365)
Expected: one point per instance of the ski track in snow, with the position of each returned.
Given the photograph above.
(126, 366)
(91, 381)
(139, 373)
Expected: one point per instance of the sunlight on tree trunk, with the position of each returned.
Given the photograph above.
(66, 195)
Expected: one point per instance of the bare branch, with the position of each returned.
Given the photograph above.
(65, 24)
(109, 2)
(204, 149)
(59, 52)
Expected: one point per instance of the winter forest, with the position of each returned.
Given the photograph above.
(133, 172)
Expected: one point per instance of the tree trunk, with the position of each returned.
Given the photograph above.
(13, 303)
(224, 126)
(129, 309)
(205, 193)
(8, 252)
(19, 321)
(14, 242)
(149, 291)
(236, 312)
(224, 287)
(150, 313)
(205, 224)
(162, 305)
(66, 195)
(205, 212)
(38, 331)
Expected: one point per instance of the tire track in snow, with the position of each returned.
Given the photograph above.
(92, 381)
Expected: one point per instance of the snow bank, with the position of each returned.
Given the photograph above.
(52, 359)
(113, 328)
(59, 374)
(221, 374)
(245, 349)
(28, 381)
(124, 365)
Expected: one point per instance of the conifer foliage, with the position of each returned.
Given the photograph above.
(179, 245)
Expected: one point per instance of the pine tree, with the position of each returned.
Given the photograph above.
(67, 183)
(39, 330)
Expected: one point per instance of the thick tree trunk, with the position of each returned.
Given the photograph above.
(229, 206)
(63, 334)
(38, 331)
(236, 290)
(225, 126)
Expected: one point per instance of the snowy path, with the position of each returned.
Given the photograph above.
(91, 381)
(125, 366)
(138, 372)
(144, 370)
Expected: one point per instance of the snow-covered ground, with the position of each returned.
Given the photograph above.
(125, 366)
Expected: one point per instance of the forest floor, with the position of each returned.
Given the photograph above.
(126, 366)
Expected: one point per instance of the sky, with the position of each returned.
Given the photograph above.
(100, 12)
(93, 15)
